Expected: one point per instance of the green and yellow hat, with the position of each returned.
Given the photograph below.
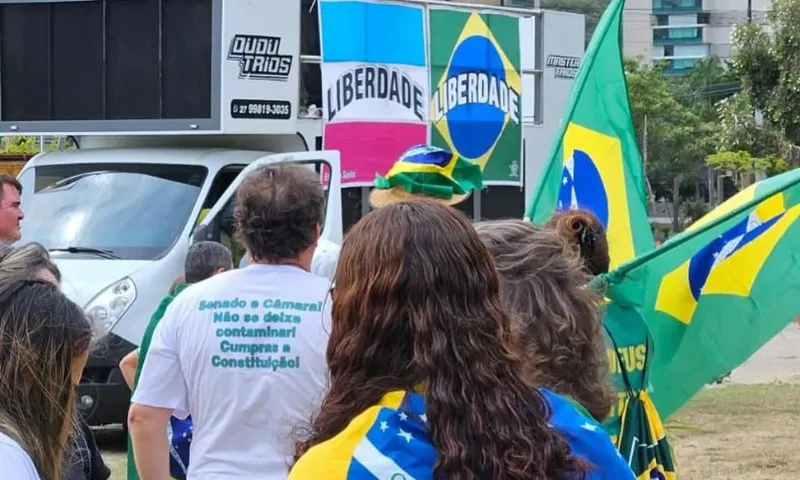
(424, 171)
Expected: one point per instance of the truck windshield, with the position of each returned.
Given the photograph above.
(131, 211)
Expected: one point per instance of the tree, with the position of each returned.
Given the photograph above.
(705, 85)
(678, 139)
(744, 167)
(592, 9)
(739, 129)
(23, 144)
(767, 58)
(20, 144)
(694, 209)
(746, 146)
(701, 89)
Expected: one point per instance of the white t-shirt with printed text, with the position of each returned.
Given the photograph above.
(244, 353)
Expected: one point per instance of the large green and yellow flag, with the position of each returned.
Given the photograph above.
(595, 162)
(712, 296)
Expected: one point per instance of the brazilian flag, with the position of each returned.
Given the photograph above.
(643, 440)
(595, 165)
(595, 162)
(713, 295)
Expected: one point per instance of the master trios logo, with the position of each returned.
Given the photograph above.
(477, 84)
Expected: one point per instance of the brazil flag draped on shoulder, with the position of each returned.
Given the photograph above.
(595, 162)
(712, 296)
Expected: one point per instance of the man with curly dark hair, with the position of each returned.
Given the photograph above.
(245, 348)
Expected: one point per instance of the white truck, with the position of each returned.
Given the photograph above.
(171, 103)
(119, 221)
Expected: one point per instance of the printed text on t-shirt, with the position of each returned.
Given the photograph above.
(257, 334)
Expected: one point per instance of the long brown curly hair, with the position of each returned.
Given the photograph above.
(417, 304)
(586, 235)
(543, 282)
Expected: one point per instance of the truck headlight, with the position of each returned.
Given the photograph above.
(108, 306)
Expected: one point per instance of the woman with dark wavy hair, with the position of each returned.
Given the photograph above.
(543, 282)
(427, 376)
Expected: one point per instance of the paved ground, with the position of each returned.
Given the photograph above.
(777, 361)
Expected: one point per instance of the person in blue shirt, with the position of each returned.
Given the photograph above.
(428, 377)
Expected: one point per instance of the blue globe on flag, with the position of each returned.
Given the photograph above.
(582, 187)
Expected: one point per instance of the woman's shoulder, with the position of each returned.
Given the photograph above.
(385, 441)
(331, 459)
(16, 462)
(587, 439)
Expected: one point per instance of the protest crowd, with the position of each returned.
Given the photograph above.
(425, 346)
(431, 348)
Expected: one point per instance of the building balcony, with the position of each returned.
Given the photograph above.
(677, 6)
(677, 35)
(678, 65)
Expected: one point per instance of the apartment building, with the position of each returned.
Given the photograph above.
(684, 31)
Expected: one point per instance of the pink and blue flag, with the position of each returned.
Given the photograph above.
(375, 84)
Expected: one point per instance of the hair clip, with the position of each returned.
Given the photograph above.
(588, 238)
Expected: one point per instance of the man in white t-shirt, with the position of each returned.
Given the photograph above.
(326, 257)
(244, 351)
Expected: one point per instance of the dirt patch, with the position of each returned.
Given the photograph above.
(113, 445)
(739, 431)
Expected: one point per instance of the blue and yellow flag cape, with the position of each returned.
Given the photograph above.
(390, 441)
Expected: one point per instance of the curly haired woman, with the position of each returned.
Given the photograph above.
(543, 282)
(627, 335)
(586, 236)
(427, 375)
(634, 418)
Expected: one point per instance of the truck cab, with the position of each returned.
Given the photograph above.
(118, 223)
